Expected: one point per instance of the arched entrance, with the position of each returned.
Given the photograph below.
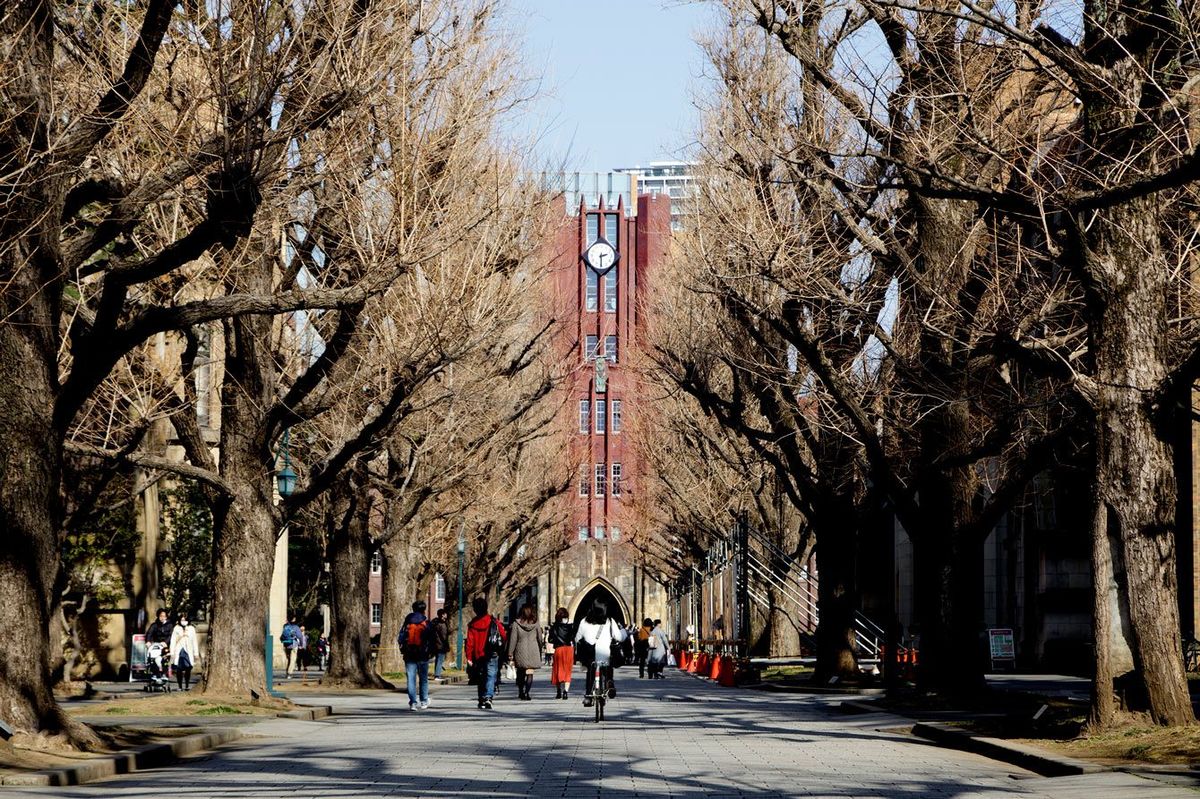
(602, 589)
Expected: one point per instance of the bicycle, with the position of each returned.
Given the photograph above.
(599, 694)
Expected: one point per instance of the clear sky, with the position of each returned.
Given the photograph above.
(616, 78)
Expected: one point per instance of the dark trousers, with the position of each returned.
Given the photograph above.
(183, 675)
(591, 679)
(641, 662)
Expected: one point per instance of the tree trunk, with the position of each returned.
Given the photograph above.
(397, 599)
(244, 524)
(1104, 589)
(350, 560)
(1135, 472)
(837, 592)
(30, 506)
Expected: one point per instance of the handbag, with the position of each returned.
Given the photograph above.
(510, 672)
(617, 657)
(185, 660)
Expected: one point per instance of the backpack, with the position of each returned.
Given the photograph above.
(414, 639)
(494, 643)
(655, 642)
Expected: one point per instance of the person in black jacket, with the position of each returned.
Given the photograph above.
(562, 636)
(160, 629)
(440, 640)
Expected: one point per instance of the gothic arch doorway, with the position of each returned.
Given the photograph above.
(602, 589)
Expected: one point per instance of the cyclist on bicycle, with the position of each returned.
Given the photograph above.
(597, 634)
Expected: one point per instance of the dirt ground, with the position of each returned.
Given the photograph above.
(1134, 741)
(180, 703)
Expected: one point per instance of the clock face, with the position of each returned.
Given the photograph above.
(600, 256)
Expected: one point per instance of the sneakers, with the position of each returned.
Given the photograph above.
(412, 706)
(487, 704)
(425, 705)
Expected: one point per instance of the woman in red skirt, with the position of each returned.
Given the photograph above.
(562, 635)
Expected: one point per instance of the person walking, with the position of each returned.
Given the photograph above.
(562, 638)
(525, 649)
(440, 642)
(658, 647)
(486, 638)
(414, 641)
(290, 637)
(302, 654)
(596, 636)
(641, 646)
(185, 652)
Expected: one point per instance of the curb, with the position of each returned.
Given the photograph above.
(819, 690)
(140, 759)
(1027, 757)
(307, 713)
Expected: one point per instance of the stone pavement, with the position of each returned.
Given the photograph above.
(675, 737)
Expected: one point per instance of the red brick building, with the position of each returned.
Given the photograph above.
(603, 260)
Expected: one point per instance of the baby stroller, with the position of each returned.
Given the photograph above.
(157, 661)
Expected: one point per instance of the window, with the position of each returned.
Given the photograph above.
(593, 228)
(590, 345)
(614, 533)
(583, 532)
(592, 289)
(377, 562)
(600, 416)
(616, 479)
(585, 481)
(610, 228)
(376, 613)
(615, 427)
(600, 479)
(599, 533)
(439, 588)
(610, 349)
(610, 290)
(584, 415)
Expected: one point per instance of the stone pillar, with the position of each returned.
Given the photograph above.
(278, 606)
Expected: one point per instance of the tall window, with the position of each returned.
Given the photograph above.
(615, 427)
(592, 288)
(583, 532)
(590, 343)
(600, 479)
(610, 291)
(598, 533)
(600, 416)
(376, 562)
(585, 481)
(376, 613)
(614, 533)
(593, 228)
(439, 588)
(610, 348)
(616, 479)
(610, 229)
(584, 414)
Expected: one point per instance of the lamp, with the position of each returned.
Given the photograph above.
(285, 478)
(462, 551)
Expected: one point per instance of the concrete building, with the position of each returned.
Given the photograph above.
(671, 178)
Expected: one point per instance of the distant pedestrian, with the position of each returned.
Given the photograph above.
(548, 650)
(440, 642)
(185, 652)
(641, 646)
(486, 640)
(322, 653)
(562, 638)
(414, 641)
(658, 647)
(525, 649)
(290, 638)
(302, 654)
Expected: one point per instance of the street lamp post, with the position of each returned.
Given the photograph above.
(285, 482)
(462, 551)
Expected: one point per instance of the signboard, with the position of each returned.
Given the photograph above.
(1001, 644)
(137, 655)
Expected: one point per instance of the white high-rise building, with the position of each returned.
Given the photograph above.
(672, 178)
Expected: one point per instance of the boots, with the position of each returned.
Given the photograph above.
(558, 694)
(564, 691)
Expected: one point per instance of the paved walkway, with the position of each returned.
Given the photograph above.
(676, 737)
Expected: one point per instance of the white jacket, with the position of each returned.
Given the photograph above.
(184, 638)
(601, 636)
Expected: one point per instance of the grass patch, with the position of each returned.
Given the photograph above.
(786, 673)
(219, 710)
(116, 711)
(1134, 741)
(182, 704)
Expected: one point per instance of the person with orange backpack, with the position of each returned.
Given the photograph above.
(414, 641)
